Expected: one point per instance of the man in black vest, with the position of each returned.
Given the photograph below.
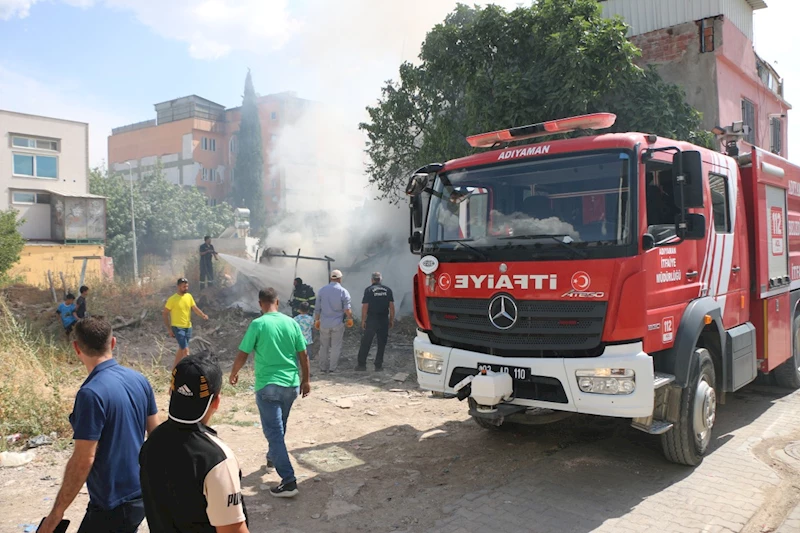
(377, 316)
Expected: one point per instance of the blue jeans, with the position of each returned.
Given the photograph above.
(122, 519)
(183, 336)
(274, 403)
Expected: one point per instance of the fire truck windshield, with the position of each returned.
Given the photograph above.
(552, 205)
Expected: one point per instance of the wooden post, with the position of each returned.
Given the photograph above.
(83, 272)
(63, 283)
(52, 287)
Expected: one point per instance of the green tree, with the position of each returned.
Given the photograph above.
(248, 185)
(11, 241)
(485, 68)
(164, 212)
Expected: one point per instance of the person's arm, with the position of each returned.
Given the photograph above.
(167, 322)
(199, 313)
(152, 423)
(305, 373)
(75, 475)
(348, 311)
(238, 363)
(364, 310)
(391, 314)
(241, 527)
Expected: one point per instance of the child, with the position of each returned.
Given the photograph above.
(306, 322)
(66, 310)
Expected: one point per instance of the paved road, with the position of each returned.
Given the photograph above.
(621, 485)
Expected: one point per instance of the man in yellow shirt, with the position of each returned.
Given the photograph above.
(177, 316)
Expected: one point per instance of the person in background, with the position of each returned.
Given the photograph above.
(114, 408)
(191, 481)
(80, 304)
(329, 318)
(206, 267)
(282, 373)
(177, 315)
(377, 316)
(306, 323)
(302, 293)
(66, 311)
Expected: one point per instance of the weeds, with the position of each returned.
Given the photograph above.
(34, 370)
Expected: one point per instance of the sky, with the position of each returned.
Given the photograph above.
(106, 62)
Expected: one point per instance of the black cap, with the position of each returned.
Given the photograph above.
(195, 381)
(182, 280)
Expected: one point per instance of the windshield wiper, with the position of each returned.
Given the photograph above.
(463, 243)
(563, 239)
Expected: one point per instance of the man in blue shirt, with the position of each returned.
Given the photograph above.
(333, 305)
(113, 409)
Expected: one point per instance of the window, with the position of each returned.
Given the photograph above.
(210, 145)
(719, 202)
(776, 135)
(36, 166)
(205, 173)
(274, 115)
(29, 197)
(749, 119)
(232, 144)
(205, 143)
(39, 144)
(213, 145)
(211, 202)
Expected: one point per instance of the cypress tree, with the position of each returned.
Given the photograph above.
(248, 184)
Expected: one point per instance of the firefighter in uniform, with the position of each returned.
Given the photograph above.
(377, 316)
(206, 268)
(302, 293)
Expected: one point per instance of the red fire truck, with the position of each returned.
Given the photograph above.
(620, 275)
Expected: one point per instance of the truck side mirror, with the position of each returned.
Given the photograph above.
(415, 242)
(417, 184)
(690, 165)
(695, 227)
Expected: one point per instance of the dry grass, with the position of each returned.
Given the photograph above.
(35, 370)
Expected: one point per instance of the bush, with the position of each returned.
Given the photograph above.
(11, 241)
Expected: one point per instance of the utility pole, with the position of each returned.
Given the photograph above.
(133, 226)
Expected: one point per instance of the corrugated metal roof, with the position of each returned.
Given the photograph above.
(757, 4)
(74, 195)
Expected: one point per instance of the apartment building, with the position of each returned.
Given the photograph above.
(195, 142)
(707, 48)
(44, 169)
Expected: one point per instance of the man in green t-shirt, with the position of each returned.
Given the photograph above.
(279, 345)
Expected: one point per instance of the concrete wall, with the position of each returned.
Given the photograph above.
(72, 156)
(37, 259)
(676, 54)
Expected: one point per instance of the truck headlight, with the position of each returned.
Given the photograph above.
(428, 362)
(607, 380)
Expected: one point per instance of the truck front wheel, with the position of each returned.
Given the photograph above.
(688, 440)
(787, 375)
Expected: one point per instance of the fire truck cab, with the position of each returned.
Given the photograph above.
(621, 275)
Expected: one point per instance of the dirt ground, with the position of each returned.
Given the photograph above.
(371, 452)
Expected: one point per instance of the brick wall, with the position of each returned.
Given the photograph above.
(667, 45)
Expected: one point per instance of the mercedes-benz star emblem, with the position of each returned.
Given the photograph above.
(502, 312)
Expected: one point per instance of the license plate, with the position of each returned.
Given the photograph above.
(516, 372)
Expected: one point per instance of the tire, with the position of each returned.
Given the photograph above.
(688, 440)
(787, 375)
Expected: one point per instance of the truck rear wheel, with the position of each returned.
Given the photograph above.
(688, 440)
(787, 375)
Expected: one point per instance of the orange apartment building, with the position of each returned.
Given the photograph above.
(195, 142)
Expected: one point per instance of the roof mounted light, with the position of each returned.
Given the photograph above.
(595, 121)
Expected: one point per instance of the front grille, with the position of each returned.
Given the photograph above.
(543, 328)
(541, 388)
